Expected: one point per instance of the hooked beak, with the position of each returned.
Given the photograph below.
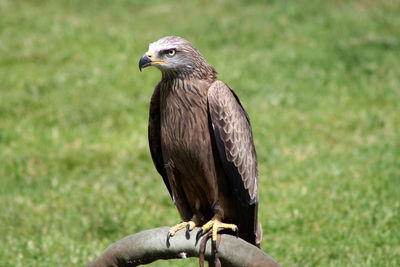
(148, 59)
(144, 62)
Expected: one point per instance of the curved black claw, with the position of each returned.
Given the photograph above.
(168, 237)
(237, 232)
(188, 231)
(198, 235)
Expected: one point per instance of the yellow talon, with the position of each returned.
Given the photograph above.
(206, 227)
(188, 225)
(191, 225)
(215, 225)
(177, 227)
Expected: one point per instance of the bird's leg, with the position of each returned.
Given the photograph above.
(188, 225)
(214, 225)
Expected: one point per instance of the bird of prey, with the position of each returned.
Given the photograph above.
(201, 143)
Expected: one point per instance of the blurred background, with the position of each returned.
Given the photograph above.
(319, 79)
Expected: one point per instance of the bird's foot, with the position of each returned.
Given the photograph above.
(188, 225)
(215, 225)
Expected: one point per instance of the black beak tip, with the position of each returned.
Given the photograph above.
(144, 62)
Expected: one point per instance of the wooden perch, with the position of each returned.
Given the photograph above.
(150, 245)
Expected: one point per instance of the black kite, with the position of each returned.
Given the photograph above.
(201, 143)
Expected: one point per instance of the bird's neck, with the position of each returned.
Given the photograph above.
(202, 73)
(189, 86)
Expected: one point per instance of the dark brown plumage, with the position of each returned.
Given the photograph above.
(201, 140)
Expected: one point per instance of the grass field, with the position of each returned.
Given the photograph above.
(319, 79)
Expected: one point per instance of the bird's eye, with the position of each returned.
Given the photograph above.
(171, 52)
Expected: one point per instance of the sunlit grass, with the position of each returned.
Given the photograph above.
(319, 79)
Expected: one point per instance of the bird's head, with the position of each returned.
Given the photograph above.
(175, 56)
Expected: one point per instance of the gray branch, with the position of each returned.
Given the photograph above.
(150, 245)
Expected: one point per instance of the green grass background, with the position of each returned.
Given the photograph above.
(319, 79)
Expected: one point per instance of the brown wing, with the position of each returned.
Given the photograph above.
(155, 136)
(234, 140)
